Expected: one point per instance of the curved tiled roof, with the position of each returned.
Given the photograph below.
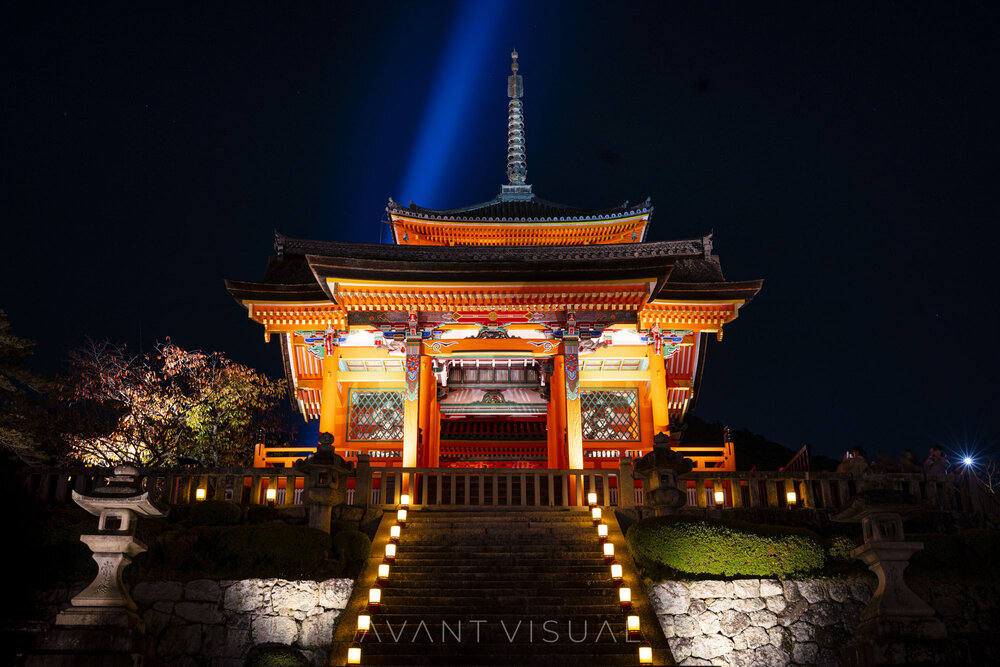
(516, 209)
(284, 245)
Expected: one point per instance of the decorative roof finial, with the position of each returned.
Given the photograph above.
(517, 170)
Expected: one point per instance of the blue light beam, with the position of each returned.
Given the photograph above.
(448, 104)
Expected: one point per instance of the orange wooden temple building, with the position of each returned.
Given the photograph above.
(512, 333)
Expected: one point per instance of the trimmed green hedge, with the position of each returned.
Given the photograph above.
(728, 548)
(215, 513)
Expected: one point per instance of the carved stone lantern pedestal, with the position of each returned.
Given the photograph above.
(896, 627)
(101, 626)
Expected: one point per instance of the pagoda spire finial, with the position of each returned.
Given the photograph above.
(517, 170)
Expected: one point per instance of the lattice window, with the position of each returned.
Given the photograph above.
(610, 414)
(375, 415)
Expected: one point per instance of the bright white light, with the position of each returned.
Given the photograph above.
(967, 460)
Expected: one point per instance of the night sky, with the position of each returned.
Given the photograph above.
(847, 156)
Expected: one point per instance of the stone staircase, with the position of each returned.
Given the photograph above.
(499, 586)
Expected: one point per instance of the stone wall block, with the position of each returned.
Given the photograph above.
(805, 653)
(669, 597)
(711, 589)
(712, 647)
(749, 604)
(790, 591)
(771, 656)
(719, 604)
(334, 593)
(317, 630)
(696, 607)
(289, 596)
(180, 640)
(769, 587)
(746, 588)
(754, 637)
(154, 591)
(198, 612)
(775, 603)
(277, 629)
(812, 590)
(244, 596)
(825, 614)
(793, 613)
(732, 623)
(213, 641)
(204, 590)
(838, 590)
(762, 619)
(685, 626)
(801, 631)
(155, 621)
(681, 647)
(709, 624)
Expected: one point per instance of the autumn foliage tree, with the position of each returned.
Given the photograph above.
(170, 404)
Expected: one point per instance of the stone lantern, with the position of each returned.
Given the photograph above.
(325, 483)
(896, 626)
(101, 620)
(661, 469)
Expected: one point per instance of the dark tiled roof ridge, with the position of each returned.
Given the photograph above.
(504, 209)
(284, 245)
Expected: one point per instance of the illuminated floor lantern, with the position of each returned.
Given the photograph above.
(632, 623)
(374, 598)
(791, 499)
(390, 553)
(616, 572)
(645, 654)
(720, 497)
(404, 501)
(609, 552)
(602, 531)
(591, 499)
(271, 495)
(595, 514)
(199, 494)
(364, 625)
(354, 655)
(383, 571)
(625, 598)
(401, 517)
(394, 533)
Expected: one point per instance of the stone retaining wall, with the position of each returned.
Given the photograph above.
(769, 622)
(216, 623)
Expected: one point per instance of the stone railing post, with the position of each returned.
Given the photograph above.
(363, 481)
(325, 483)
(896, 627)
(626, 483)
(661, 469)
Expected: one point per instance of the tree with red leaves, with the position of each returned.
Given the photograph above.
(168, 405)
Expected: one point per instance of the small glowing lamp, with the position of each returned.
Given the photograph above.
(354, 655)
(374, 598)
(645, 654)
(271, 495)
(199, 494)
(720, 497)
(609, 551)
(401, 517)
(390, 552)
(602, 531)
(595, 514)
(632, 623)
(591, 499)
(364, 624)
(968, 461)
(625, 597)
(791, 498)
(383, 571)
(404, 500)
(394, 533)
(616, 572)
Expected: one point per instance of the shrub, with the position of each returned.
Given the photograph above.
(275, 656)
(351, 545)
(215, 513)
(729, 548)
(840, 549)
